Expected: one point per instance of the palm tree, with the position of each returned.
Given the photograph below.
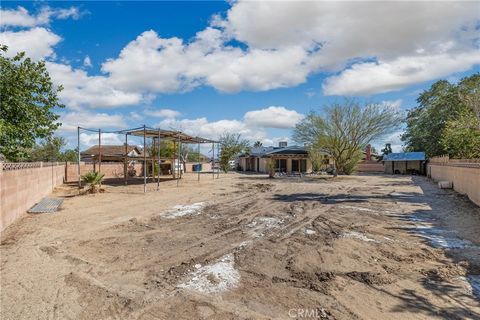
(93, 180)
(258, 144)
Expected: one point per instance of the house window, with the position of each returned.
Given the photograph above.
(281, 165)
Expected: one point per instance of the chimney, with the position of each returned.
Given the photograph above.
(282, 144)
(368, 151)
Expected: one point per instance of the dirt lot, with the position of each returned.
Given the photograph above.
(247, 247)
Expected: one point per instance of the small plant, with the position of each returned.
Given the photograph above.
(271, 168)
(93, 180)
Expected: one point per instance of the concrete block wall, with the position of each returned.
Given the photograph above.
(110, 169)
(21, 189)
(465, 180)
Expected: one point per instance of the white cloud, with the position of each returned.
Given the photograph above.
(170, 65)
(415, 25)
(394, 104)
(20, 17)
(371, 78)
(162, 113)
(37, 43)
(136, 116)
(273, 117)
(288, 41)
(213, 130)
(253, 127)
(393, 138)
(80, 89)
(283, 44)
(87, 62)
(91, 139)
(86, 119)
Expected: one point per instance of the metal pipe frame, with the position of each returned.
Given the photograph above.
(78, 158)
(144, 159)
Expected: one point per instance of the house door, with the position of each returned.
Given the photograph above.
(258, 164)
(295, 166)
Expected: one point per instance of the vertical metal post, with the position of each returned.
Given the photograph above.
(172, 167)
(198, 168)
(78, 158)
(213, 160)
(153, 159)
(178, 160)
(125, 164)
(218, 155)
(159, 162)
(144, 158)
(99, 150)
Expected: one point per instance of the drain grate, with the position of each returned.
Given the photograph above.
(47, 205)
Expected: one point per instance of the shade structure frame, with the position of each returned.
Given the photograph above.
(158, 134)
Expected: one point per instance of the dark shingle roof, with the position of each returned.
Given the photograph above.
(266, 151)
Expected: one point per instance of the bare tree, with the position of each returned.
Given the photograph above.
(345, 129)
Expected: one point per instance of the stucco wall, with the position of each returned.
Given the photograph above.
(465, 180)
(21, 189)
(370, 166)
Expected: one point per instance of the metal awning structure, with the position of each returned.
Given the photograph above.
(166, 135)
(156, 135)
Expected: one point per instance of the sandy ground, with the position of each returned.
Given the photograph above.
(248, 247)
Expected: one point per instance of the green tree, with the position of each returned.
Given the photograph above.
(50, 149)
(344, 130)
(461, 137)
(441, 110)
(231, 145)
(47, 150)
(27, 98)
(258, 144)
(385, 151)
(69, 155)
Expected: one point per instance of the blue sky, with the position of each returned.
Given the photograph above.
(249, 67)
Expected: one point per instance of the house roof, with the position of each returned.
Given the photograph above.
(405, 156)
(270, 151)
(287, 150)
(111, 150)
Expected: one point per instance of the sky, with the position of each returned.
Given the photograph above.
(249, 67)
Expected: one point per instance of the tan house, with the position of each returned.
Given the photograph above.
(292, 159)
(110, 153)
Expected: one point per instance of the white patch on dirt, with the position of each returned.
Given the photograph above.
(360, 209)
(214, 278)
(357, 235)
(244, 244)
(184, 210)
(262, 224)
(310, 231)
(400, 194)
(438, 237)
